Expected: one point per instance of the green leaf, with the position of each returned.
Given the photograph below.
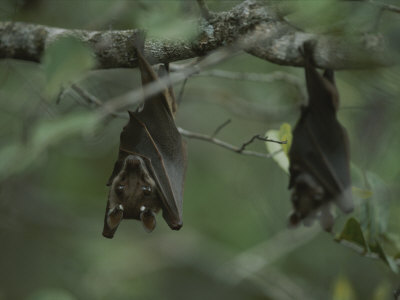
(343, 290)
(285, 134)
(64, 61)
(352, 233)
(277, 151)
(280, 152)
(361, 193)
(390, 261)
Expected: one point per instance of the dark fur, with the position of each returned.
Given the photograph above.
(319, 155)
(153, 146)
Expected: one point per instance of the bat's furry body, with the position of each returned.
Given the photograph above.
(319, 155)
(150, 170)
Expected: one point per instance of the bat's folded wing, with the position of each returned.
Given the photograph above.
(161, 147)
(323, 148)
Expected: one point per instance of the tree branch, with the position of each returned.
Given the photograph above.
(240, 150)
(220, 127)
(263, 32)
(259, 77)
(388, 7)
(91, 99)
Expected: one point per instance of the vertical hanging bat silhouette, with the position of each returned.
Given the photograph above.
(150, 170)
(319, 155)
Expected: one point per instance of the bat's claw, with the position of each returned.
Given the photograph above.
(306, 50)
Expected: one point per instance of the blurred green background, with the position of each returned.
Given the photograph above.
(234, 243)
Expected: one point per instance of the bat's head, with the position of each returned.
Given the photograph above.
(309, 202)
(133, 195)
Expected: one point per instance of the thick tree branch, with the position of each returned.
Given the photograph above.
(264, 33)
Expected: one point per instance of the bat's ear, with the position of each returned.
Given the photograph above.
(131, 114)
(113, 217)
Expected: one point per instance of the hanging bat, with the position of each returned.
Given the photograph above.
(149, 173)
(319, 155)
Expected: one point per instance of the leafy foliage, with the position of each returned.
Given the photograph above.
(280, 152)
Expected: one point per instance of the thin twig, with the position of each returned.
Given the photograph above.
(247, 109)
(91, 99)
(180, 96)
(205, 12)
(254, 259)
(60, 95)
(388, 7)
(258, 137)
(223, 144)
(155, 87)
(86, 95)
(244, 108)
(258, 77)
(220, 127)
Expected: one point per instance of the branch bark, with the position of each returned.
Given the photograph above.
(259, 26)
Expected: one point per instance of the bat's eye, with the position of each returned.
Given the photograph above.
(120, 188)
(146, 189)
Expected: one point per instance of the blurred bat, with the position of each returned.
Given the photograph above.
(150, 170)
(319, 155)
